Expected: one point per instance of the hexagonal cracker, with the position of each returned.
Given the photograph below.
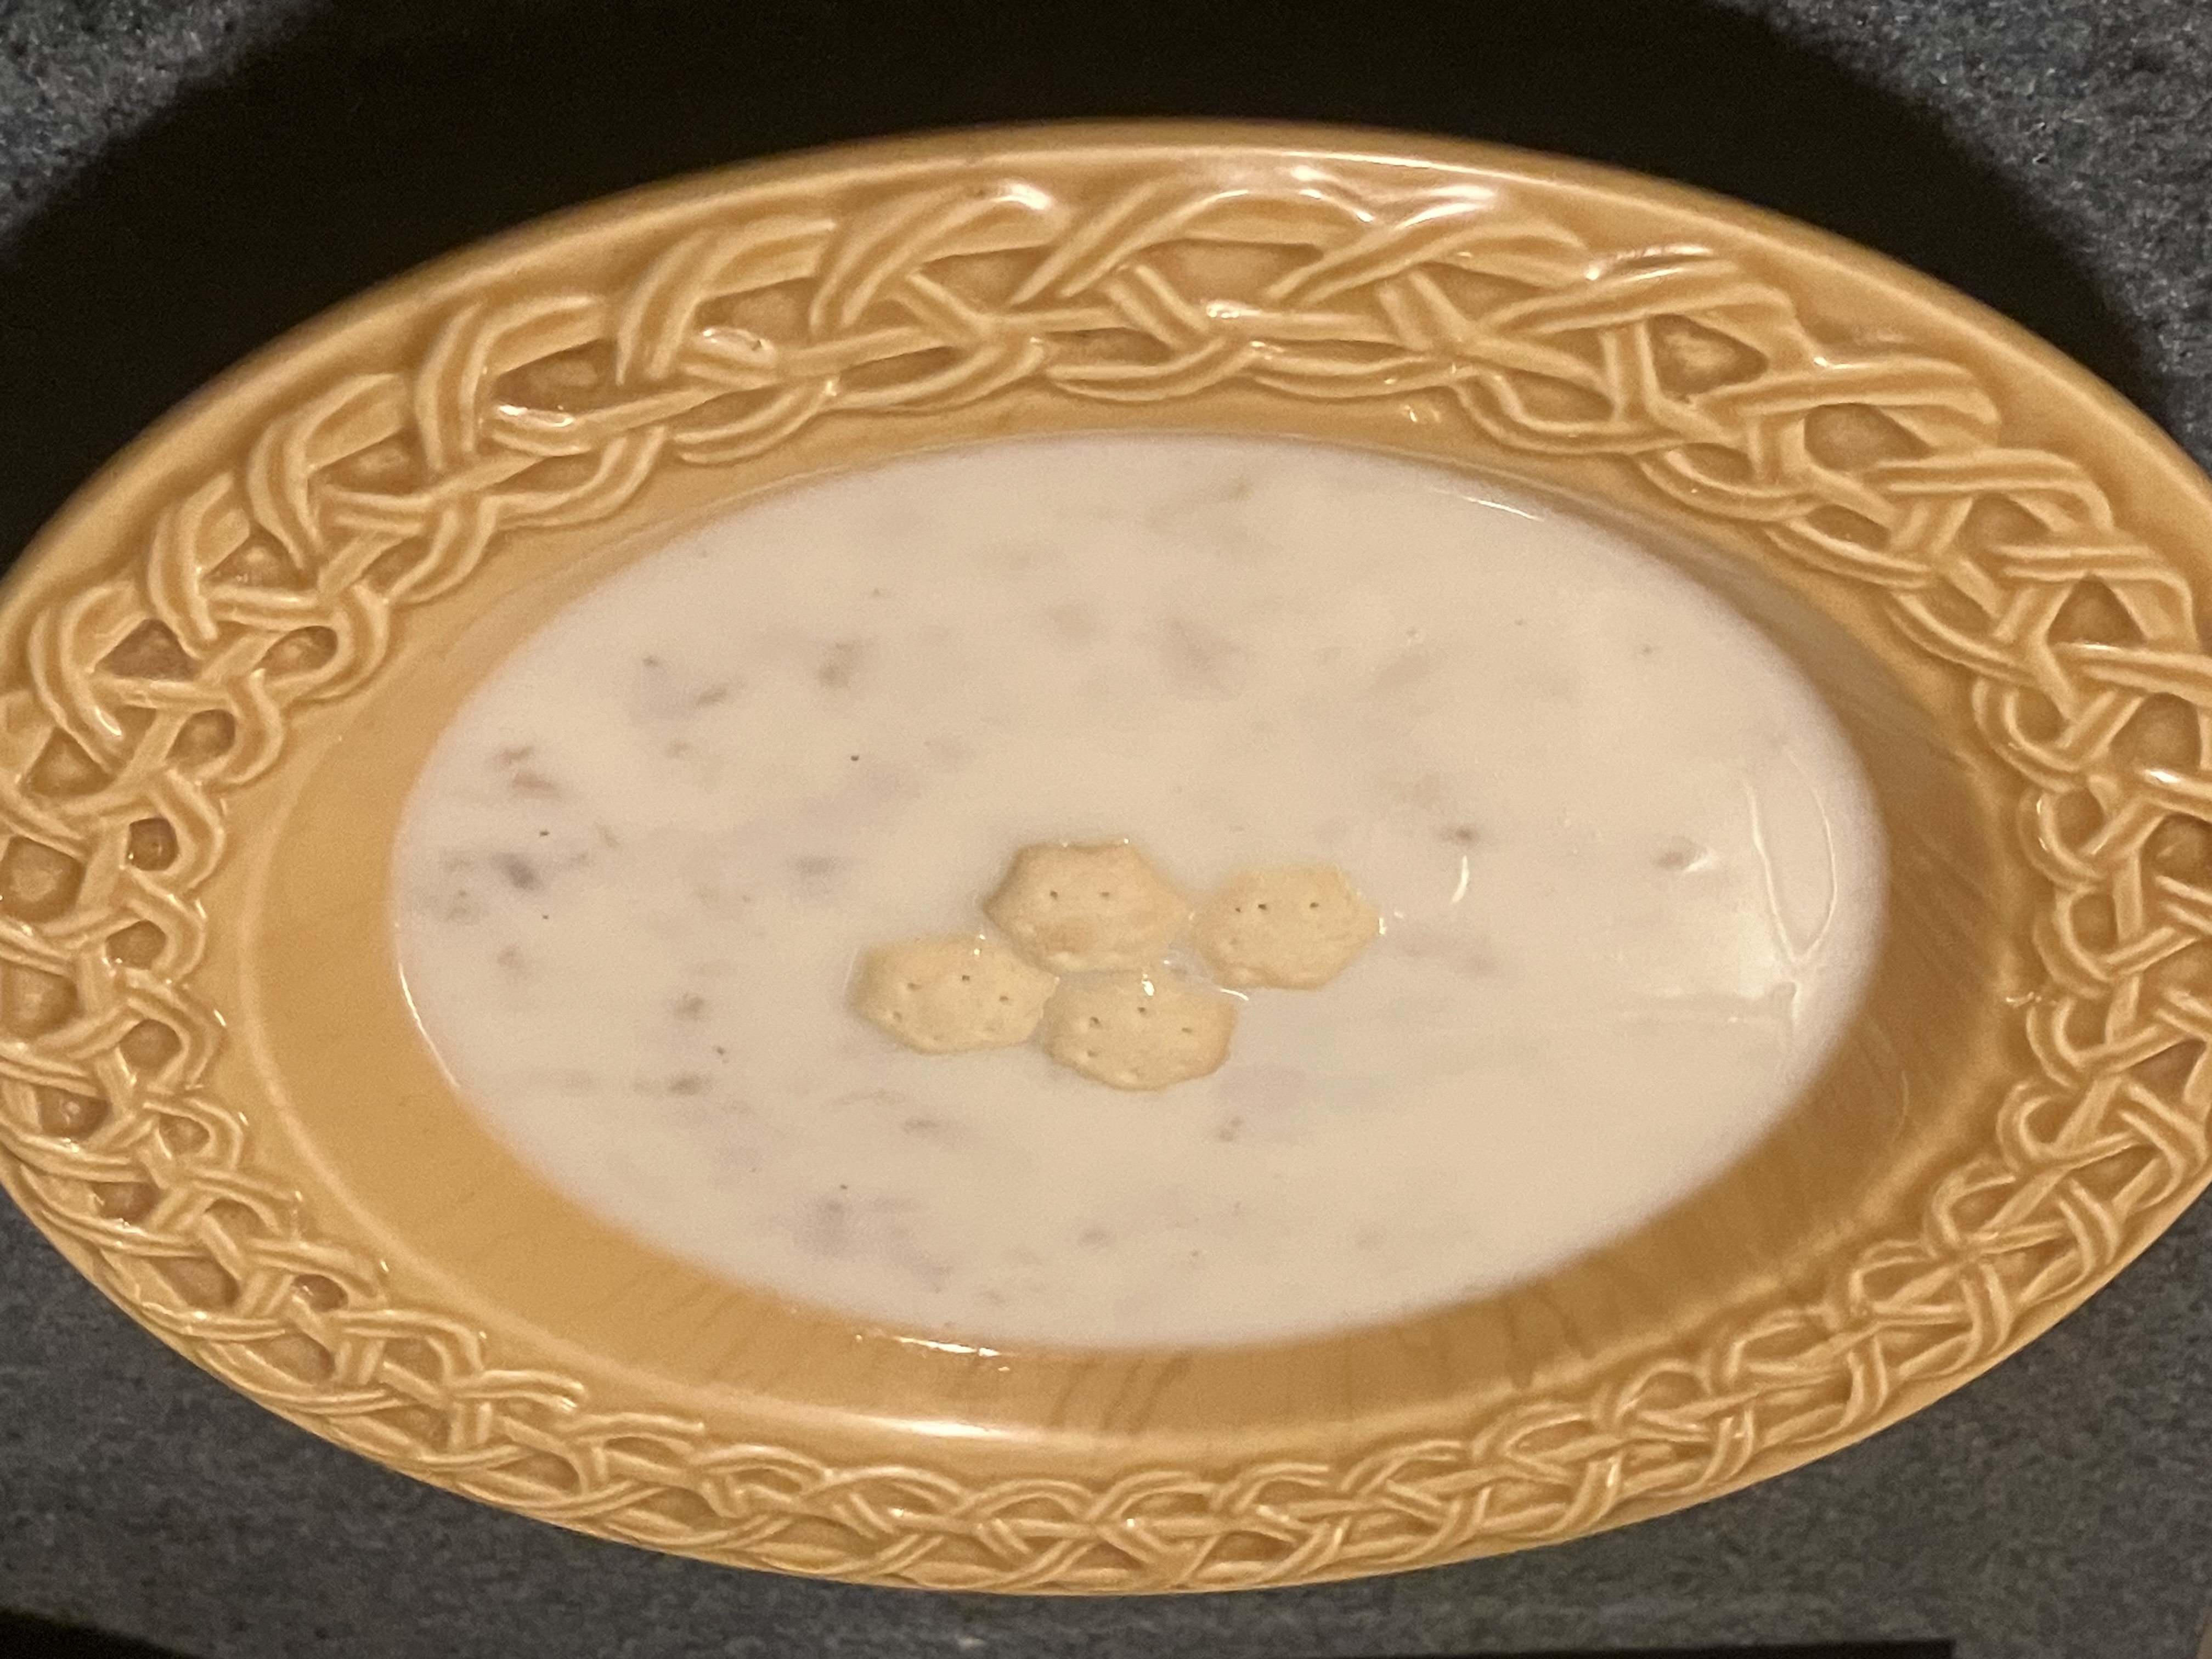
(1292, 926)
(1145, 1029)
(951, 993)
(1087, 909)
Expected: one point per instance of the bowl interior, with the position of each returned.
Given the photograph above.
(371, 1119)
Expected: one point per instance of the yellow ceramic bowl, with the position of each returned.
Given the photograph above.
(226, 660)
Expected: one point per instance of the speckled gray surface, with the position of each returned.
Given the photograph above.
(180, 181)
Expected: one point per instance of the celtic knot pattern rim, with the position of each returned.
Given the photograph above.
(145, 697)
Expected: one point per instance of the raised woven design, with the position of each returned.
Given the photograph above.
(145, 699)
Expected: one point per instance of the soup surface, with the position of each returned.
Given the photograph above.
(1627, 869)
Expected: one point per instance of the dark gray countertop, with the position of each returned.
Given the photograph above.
(179, 182)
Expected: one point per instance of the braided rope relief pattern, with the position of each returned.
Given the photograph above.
(150, 696)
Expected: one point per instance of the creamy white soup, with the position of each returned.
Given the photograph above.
(1626, 868)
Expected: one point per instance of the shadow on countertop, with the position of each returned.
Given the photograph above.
(22, 1636)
